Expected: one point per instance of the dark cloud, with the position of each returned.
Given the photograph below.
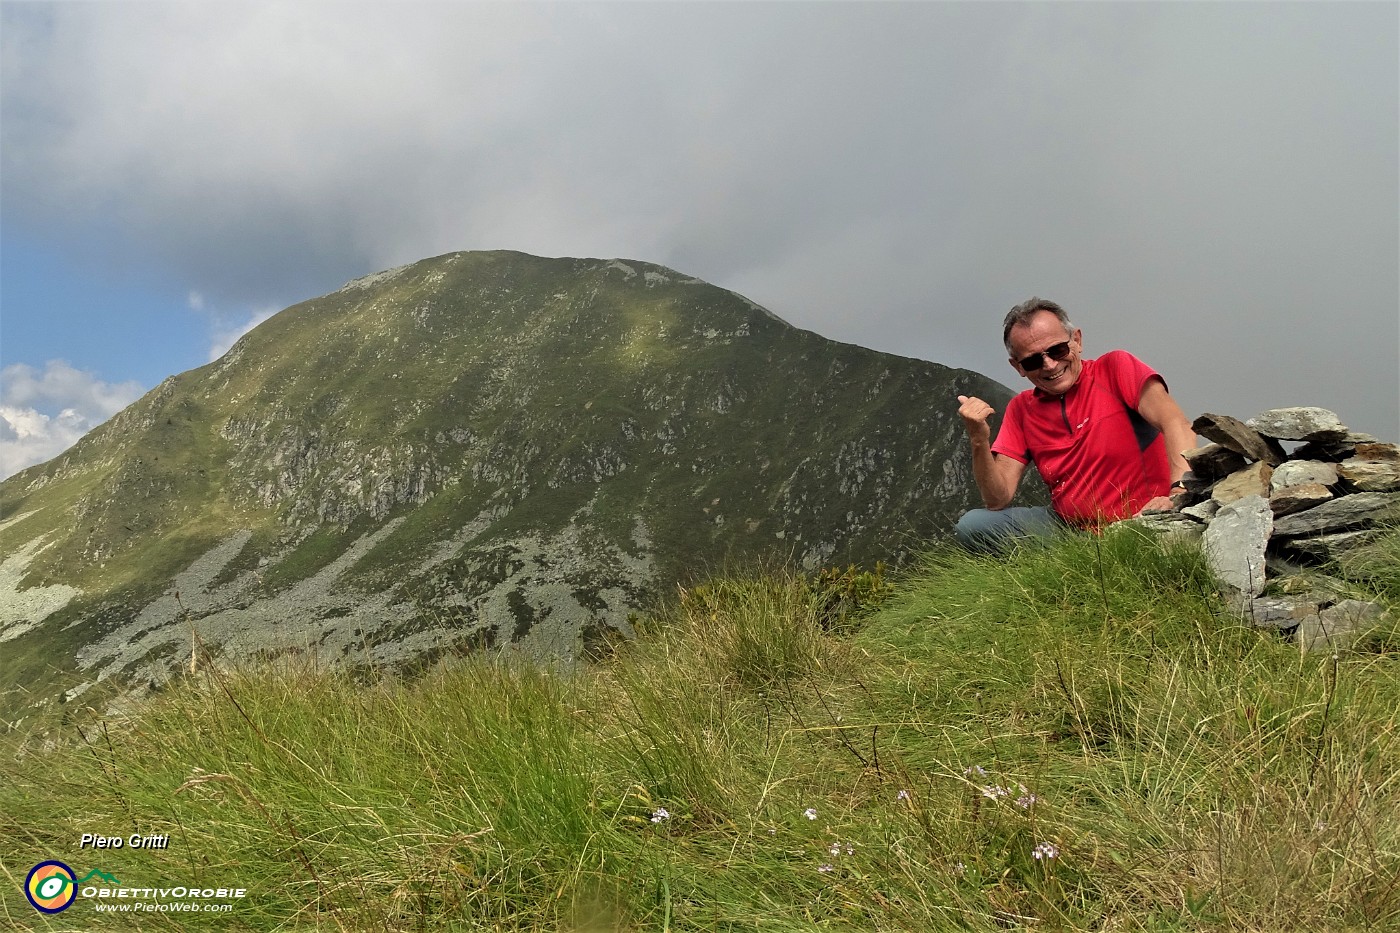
(1213, 186)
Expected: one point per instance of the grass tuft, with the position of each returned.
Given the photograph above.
(1078, 737)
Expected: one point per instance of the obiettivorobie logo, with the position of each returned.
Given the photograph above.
(52, 886)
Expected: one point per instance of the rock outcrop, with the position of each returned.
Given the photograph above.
(1262, 511)
(481, 450)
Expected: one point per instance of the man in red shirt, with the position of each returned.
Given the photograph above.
(1105, 435)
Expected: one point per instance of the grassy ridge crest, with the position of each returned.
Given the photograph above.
(1076, 738)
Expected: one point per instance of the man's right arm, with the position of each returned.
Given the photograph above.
(996, 476)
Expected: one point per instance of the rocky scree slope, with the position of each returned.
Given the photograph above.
(477, 450)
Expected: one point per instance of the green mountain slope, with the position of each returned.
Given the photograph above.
(481, 449)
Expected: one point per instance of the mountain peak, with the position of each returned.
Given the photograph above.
(482, 449)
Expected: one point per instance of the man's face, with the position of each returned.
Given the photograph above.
(1041, 333)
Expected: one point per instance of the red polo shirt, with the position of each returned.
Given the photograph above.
(1100, 458)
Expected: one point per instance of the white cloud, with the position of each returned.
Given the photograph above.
(44, 413)
(226, 334)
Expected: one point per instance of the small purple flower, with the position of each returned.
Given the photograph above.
(660, 815)
(993, 791)
(974, 770)
(826, 869)
(1045, 850)
(902, 795)
(810, 813)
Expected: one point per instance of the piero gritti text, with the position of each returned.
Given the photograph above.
(134, 841)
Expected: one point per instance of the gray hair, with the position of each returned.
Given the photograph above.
(1023, 312)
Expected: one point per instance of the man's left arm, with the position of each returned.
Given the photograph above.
(1160, 410)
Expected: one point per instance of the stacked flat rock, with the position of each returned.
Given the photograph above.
(1258, 508)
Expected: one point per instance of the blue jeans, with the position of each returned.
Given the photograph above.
(988, 532)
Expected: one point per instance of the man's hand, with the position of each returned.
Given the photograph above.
(996, 477)
(974, 412)
(1159, 504)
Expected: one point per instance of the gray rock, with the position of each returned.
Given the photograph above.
(1202, 511)
(1340, 514)
(1329, 547)
(1171, 525)
(1334, 450)
(1253, 480)
(1239, 437)
(1214, 461)
(1371, 475)
(1284, 612)
(1297, 472)
(1297, 498)
(1299, 424)
(1234, 544)
(1337, 627)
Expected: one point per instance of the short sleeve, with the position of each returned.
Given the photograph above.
(1011, 438)
(1127, 374)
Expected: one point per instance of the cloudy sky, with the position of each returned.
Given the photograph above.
(1215, 186)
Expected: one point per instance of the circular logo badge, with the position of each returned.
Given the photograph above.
(50, 887)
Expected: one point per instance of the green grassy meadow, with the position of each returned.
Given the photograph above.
(1076, 738)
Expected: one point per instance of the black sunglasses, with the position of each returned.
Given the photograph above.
(1036, 360)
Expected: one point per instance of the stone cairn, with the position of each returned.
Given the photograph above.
(1261, 511)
